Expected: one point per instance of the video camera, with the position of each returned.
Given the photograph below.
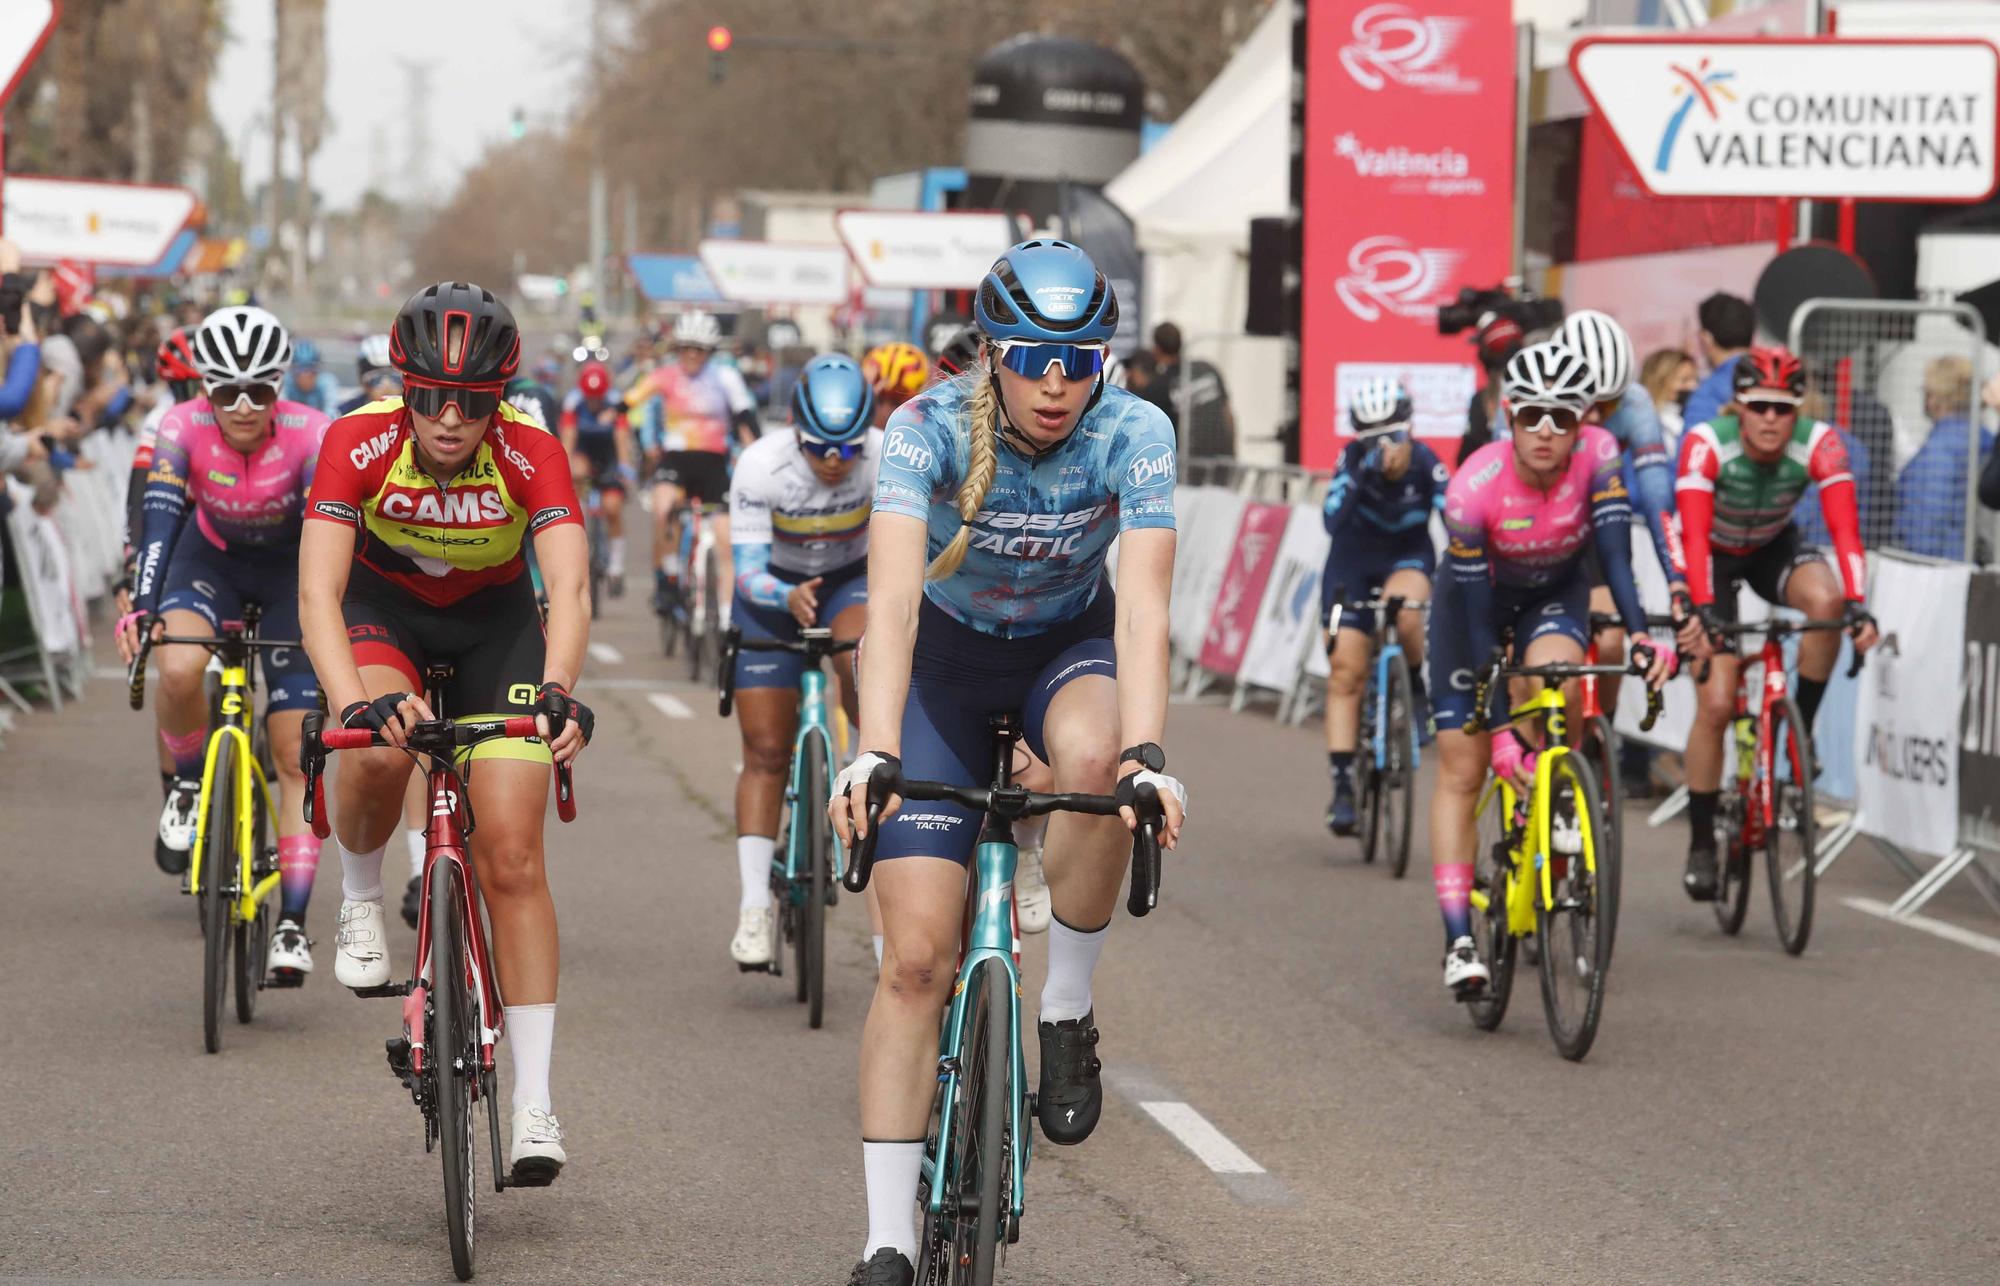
(1473, 307)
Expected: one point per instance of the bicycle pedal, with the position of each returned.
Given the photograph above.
(386, 989)
(398, 1049)
(534, 1172)
(1467, 992)
(284, 980)
(756, 968)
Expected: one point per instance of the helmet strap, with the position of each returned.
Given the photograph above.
(1020, 441)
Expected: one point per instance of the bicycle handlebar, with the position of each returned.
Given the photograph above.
(1014, 803)
(1777, 628)
(814, 644)
(432, 736)
(135, 673)
(1497, 669)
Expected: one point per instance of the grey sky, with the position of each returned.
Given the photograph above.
(483, 58)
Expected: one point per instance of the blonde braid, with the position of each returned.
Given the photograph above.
(982, 422)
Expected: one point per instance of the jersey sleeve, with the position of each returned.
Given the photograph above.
(735, 390)
(1827, 465)
(566, 419)
(1611, 523)
(338, 487)
(1142, 468)
(750, 501)
(162, 512)
(1694, 487)
(918, 462)
(547, 492)
(1650, 474)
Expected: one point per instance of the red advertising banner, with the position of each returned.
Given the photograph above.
(1242, 590)
(1409, 195)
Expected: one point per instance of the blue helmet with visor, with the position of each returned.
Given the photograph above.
(833, 405)
(1044, 302)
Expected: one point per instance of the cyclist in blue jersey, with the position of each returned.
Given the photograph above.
(307, 384)
(592, 427)
(999, 494)
(377, 376)
(1378, 511)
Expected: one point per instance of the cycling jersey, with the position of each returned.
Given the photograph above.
(1363, 501)
(239, 500)
(1039, 540)
(1735, 504)
(696, 410)
(1648, 469)
(601, 420)
(784, 520)
(441, 542)
(535, 398)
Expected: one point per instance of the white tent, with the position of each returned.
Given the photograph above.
(1192, 197)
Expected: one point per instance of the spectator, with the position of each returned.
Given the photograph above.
(1728, 324)
(1930, 492)
(1669, 377)
(1989, 473)
(1141, 370)
(1211, 427)
(1869, 434)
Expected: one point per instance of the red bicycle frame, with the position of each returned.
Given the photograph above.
(1758, 802)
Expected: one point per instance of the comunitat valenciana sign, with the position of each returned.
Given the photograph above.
(1876, 119)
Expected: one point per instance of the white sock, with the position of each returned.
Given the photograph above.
(753, 863)
(361, 873)
(416, 839)
(531, 1032)
(892, 1171)
(1072, 959)
(616, 566)
(877, 940)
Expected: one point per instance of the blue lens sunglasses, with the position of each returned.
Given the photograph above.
(1025, 357)
(832, 450)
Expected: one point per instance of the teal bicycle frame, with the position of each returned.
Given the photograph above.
(793, 863)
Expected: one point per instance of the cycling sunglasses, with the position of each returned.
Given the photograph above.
(1771, 406)
(830, 451)
(231, 397)
(1555, 419)
(1025, 357)
(1393, 435)
(429, 400)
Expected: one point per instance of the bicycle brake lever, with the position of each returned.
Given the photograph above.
(566, 792)
(1654, 704)
(1145, 894)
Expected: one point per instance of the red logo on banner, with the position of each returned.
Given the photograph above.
(1242, 589)
(1409, 182)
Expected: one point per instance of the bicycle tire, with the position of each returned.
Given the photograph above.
(1491, 865)
(453, 1060)
(218, 861)
(1367, 801)
(711, 616)
(819, 861)
(1397, 790)
(1732, 877)
(1581, 922)
(1792, 876)
(1602, 733)
(963, 1242)
(253, 936)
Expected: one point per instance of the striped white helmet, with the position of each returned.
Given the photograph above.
(373, 355)
(1605, 348)
(696, 330)
(242, 345)
(1548, 374)
(1379, 405)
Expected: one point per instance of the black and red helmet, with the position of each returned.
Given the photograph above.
(1769, 368)
(456, 333)
(174, 360)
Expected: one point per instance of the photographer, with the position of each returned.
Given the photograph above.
(1498, 340)
(1500, 321)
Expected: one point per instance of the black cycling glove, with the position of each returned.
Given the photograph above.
(373, 714)
(562, 708)
(1855, 615)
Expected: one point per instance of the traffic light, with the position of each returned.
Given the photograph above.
(518, 125)
(719, 40)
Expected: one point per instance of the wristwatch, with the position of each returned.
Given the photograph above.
(1147, 755)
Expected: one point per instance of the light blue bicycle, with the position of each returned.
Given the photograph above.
(1385, 778)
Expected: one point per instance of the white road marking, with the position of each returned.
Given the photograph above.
(669, 705)
(1925, 924)
(1209, 1145)
(607, 654)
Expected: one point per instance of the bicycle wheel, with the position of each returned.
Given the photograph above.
(711, 618)
(454, 1057)
(1601, 738)
(218, 879)
(1576, 932)
(1396, 790)
(961, 1245)
(696, 628)
(1791, 840)
(1491, 865)
(1732, 883)
(1367, 799)
(819, 860)
(253, 936)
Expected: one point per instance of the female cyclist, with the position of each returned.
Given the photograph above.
(898, 372)
(999, 494)
(798, 515)
(1518, 517)
(421, 506)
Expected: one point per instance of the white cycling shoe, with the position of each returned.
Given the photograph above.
(290, 952)
(751, 947)
(537, 1154)
(177, 818)
(1463, 969)
(1032, 907)
(361, 947)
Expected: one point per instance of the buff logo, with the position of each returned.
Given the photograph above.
(373, 449)
(1154, 464)
(900, 446)
(457, 508)
(336, 510)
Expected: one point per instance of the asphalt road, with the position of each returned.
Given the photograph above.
(1744, 1117)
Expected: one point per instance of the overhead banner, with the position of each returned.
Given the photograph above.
(129, 225)
(1909, 120)
(770, 272)
(921, 250)
(1409, 194)
(1908, 717)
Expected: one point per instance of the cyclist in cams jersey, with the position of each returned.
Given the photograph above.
(420, 510)
(1519, 516)
(999, 494)
(798, 512)
(600, 445)
(1378, 511)
(238, 461)
(1741, 476)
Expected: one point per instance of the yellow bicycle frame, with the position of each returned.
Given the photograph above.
(1534, 844)
(237, 711)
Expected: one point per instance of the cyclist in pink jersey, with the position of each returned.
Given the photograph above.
(1519, 516)
(241, 461)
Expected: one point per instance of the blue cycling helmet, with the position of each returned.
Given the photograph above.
(1046, 291)
(833, 401)
(305, 355)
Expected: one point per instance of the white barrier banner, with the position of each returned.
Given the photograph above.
(1907, 719)
(45, 573)
(1289, 613)
(1201, 556)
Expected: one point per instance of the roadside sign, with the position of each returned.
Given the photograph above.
(127, 225)
(25, 26)
(770, 272)
(924, 250)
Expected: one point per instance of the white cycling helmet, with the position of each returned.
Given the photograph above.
(1378, 406)
(696, 330)
(242, 345)
(1549, 374)
(373, 355)
(1605, 348)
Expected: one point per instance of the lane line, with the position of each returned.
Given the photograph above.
(669, 705)
(1198, 1135)
(607, 654)
(1925, 924)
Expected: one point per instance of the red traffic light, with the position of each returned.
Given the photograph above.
(719, 39)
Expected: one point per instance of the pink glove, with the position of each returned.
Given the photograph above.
(1663, 647)
(1509, 757)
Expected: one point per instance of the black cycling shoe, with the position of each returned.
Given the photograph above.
(1700, 879)
(413, 900)
(886, 1267)
(1070, 1096)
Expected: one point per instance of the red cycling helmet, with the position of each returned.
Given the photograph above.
(175, 358)
(1769, 368)
(594, 379)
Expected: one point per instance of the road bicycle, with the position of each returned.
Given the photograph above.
(1550, 869)
(1767, 799)
(807, 853)
(1598, 738)
(693, 614)
(976, 1154)
(597, 532)
(452, 1011)
(1385, 776)
(233, 866)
